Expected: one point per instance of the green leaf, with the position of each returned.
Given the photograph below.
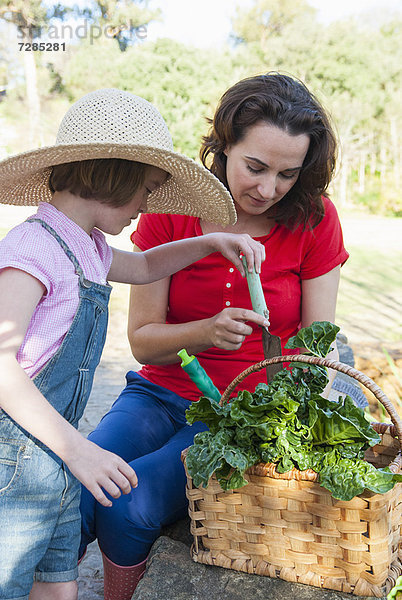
(341, 421)
(312, 377)
(207, 411)
(317, 338)
(349, 478)
(216, 454)
(397, 588)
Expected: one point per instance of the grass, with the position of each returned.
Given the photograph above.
(369, 297)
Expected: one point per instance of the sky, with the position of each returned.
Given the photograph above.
(190, 22)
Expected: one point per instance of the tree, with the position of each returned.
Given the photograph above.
(30, 17)
(267, 18)
(123, 18)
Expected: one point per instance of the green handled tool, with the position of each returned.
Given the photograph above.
(198, 375)
(271, 344)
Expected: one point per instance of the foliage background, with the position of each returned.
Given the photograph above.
(353, 65)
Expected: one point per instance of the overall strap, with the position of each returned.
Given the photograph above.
(64, 246)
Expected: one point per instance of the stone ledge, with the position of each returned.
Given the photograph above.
(172, 575)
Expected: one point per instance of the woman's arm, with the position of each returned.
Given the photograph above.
(21, 400)
(166, 259)
(153, 341)
(319, 304)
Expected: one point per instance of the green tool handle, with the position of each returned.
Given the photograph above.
(198, 375)
(256, 293)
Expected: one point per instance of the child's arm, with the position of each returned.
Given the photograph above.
(164, 260)
(96, 468)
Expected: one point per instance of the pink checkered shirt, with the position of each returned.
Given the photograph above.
(31, 248)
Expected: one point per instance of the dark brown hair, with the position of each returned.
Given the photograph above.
(286, 103)
(112, 181)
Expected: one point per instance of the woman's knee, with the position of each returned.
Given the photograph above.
(135, 425)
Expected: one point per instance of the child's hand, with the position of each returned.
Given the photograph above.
(232, 245)
(99, 470)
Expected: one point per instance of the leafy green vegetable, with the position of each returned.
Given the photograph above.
(207, 412)
(350, 477)
(317, 338)
(342, 422)
(289, 423)
(215, 453)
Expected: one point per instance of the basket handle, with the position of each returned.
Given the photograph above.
(331, 364)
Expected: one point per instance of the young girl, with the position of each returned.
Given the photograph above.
(112, 160)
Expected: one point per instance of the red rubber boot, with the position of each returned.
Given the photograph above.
(119, 582)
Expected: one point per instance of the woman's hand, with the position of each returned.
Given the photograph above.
(232, 245)
(228, 329)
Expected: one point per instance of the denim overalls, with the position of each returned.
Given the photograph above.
(39, 498)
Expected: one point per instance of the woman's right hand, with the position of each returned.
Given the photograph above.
(228, 329)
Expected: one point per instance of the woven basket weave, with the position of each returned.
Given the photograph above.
(288, 526)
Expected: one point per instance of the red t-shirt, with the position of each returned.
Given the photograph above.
(207, 286)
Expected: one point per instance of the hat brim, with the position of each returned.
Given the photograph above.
(190, 190)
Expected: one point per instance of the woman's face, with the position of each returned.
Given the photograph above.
(263, 166)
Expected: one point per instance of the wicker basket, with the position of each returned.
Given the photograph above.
(288, 526)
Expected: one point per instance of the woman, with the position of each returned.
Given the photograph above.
(272, 146)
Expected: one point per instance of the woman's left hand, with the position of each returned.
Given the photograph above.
(233, 245)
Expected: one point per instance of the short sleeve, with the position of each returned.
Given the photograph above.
(325, 249)
(104, 250)
(22, 248)
(152, 230)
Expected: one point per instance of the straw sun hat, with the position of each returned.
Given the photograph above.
(111, 123)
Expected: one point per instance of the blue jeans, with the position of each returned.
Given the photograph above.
(146, 426)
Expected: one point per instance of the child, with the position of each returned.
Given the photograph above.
(113, 159)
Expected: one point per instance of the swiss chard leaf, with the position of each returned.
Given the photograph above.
(216, 454)
(312, 377)
(207, 411)
(349, 478)
(317, 338)
(341, 421)
(396, 590)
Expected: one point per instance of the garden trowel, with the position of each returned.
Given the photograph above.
(271, 344)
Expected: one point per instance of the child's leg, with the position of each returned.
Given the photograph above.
(67, 590)
(57, 570)
(32, 486)
(142, 419)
